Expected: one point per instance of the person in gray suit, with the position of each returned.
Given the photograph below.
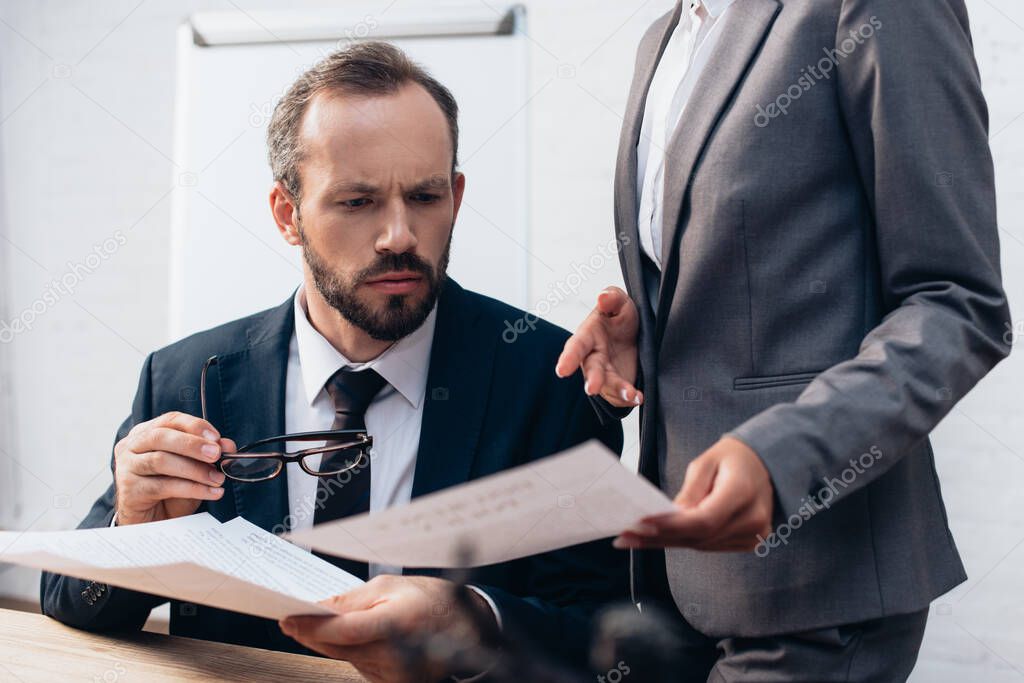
(805, 199)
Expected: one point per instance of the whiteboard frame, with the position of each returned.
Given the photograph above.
(217, 28)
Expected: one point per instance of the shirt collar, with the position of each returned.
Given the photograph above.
(714, 7)
(404, 364)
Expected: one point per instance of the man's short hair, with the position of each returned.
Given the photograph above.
(370, 68)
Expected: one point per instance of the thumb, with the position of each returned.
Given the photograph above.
(700, 476)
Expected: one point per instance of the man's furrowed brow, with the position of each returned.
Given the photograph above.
(434, 183)
(352, 187)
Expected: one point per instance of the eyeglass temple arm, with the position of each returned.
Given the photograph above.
(212, 360)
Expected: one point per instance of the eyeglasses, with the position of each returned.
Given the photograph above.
(352, 445)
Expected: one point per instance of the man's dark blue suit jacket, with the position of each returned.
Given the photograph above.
(490, 405)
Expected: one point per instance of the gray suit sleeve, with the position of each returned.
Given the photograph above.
(86, 604)
(912, 102)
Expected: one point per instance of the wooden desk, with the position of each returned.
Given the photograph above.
(35, 648)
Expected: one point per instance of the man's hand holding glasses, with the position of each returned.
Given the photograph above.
(166, 467)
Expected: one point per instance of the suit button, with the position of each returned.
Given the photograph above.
(90, 593)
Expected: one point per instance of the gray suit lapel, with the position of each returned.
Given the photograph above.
(649, 54)
(743, 31)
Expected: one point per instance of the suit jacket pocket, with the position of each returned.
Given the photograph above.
(772, 381)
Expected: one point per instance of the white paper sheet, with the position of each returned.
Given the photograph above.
(234, 565)
(577, 496)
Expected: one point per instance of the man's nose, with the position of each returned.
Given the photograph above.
(397, 235)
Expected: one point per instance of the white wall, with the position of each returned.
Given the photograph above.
(977, 631)
(86, 105)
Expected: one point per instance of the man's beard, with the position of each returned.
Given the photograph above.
(401, 314)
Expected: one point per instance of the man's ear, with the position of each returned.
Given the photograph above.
(458, 189)
(286, 214)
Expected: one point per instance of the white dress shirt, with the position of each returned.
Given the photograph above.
(680, 66)
(393, 419)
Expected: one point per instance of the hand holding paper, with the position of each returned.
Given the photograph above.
(577, 496)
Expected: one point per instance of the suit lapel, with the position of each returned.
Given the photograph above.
(251, 383)
(626, 208)
(458, 384)
(743, 31)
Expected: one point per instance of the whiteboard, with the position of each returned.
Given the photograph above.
(227, 257)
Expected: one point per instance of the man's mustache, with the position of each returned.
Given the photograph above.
(390, 263)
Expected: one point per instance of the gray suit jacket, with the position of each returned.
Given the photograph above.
(831, 288)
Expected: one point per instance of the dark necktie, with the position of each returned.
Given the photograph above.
(347, 493)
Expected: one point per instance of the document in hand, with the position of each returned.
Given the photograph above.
(580, 495)
(235, 565)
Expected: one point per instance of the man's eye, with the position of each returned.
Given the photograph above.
(355, 203)
(425, 197)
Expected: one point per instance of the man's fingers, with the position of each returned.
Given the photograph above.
(377, 661)
(147, 491)
(312, 629)
(183, 422)
(364, 626)
(179, 421)
(155, 463)
(362, 597)
(342, 652)
(352, 628)
(371, 660)
(174, 441)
